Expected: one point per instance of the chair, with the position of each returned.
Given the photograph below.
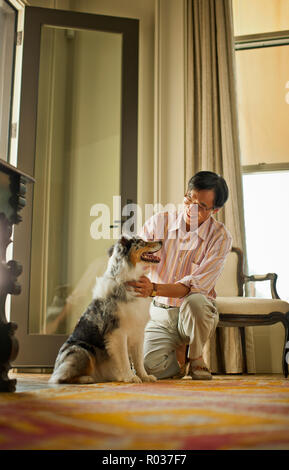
(239, 311)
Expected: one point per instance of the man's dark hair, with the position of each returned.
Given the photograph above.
(210, 180)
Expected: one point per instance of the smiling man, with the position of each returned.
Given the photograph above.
(183, 311)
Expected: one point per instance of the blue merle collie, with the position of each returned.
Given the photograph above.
(110, 333)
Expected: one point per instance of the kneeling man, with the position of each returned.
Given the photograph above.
(183, 311)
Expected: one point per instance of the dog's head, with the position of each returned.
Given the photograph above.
(135, 250)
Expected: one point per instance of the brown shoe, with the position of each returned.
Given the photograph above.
(197, 370)
(200, 373)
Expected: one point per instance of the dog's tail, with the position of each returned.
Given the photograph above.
(71, 365)
(61, 375)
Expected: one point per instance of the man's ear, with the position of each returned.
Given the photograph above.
(216, 210)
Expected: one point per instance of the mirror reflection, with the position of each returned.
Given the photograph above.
(77, 165)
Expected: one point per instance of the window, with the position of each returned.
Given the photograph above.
(263, 104)
(262, 57)
(266, 198)
(260, 16)
(8, 22)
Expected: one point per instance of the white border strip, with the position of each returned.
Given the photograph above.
(20, 7)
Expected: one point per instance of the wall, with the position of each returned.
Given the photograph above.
(170, 101)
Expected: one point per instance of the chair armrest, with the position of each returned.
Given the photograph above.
(272, 277)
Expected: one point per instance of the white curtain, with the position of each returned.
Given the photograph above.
(212, 139)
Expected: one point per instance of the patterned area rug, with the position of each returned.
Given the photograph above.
(239, 412)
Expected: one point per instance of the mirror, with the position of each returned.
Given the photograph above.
(77, 165)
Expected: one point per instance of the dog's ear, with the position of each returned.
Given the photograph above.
(110, 251)
(124, 240)
(125, 243)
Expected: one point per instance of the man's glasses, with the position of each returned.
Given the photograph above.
(191, 199)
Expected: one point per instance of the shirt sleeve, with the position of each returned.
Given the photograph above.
(203, 277)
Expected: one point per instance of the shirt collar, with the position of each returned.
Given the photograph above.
(204, 228)
(178, 223)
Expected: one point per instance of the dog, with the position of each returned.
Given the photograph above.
(110, 332)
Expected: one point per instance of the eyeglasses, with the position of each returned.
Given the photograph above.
(188, 200)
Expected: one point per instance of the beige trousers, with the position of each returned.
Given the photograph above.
(169, 328)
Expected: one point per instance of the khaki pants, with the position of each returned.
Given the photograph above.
(169, 328)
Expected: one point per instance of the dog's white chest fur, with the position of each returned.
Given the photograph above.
(134, 315)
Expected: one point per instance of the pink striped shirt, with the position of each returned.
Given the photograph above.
(194, 259)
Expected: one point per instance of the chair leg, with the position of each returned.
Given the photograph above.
(243, 343)
(220, 355)
(285, 359)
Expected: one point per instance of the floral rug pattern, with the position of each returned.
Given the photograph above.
(239, 412)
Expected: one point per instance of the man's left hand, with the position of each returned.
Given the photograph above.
(143, 287)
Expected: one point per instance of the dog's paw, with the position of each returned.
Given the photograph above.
(85, 379)
(136, 379)
(149, 378)
(133, 379)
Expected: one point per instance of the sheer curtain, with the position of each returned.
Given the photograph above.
(212, 141)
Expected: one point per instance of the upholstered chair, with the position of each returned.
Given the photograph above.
(237, 310)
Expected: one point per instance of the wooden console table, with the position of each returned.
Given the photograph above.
(12, 200)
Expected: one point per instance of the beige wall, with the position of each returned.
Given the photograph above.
(170, 51)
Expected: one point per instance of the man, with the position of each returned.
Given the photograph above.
(183, 311)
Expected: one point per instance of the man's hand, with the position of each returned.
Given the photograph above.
(143, 287)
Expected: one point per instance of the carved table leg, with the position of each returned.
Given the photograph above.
(8, 285)
(8, 352)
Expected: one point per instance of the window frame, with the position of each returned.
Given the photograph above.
(261, 40)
